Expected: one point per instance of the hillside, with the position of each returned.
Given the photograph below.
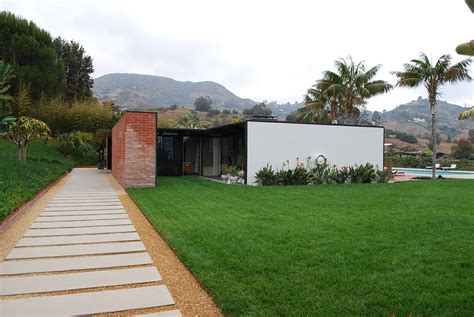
(415, 118)
(135, 91)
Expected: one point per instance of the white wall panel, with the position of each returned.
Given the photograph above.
(274, 143)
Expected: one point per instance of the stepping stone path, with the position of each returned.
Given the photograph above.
(83, 240)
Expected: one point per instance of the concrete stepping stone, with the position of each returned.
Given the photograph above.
(79, 224)
(83, 200)
(90, 238)
(62, 282)
(90, 303)
(77, 263)
(112, 193)
(78, 249)
(82, 213)
(83, 208)
(85, 204)
(81, 218)
(85, 197)
(166, 313)
(78, 231)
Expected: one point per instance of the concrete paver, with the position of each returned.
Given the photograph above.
(85, 204)
(78, 249)
(77, 231)
(80, 218)
(71, 281)
(79, 224)
(90, 303)
(90, 238)
(84, 208)
(70, 264)
(83, 200)
(79, 213)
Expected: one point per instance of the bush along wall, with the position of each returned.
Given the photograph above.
(320, 173)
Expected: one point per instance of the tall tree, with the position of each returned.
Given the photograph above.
(346, 90)
(203, 104)
(78, 68)
(422, 71)
(259, 109)
(376, 118)
(31, 52)
(6, 74)
(470, 135)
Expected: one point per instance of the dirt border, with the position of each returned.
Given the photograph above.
(190, 297)
(15, 215)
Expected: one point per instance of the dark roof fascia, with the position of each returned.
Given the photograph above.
(136, 111)
(319, 124)
(243, 124)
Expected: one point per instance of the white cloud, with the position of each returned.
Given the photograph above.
(271, 50)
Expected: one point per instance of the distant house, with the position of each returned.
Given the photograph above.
(419, 120)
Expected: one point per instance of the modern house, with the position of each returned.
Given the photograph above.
(255, 143)
(141, 153)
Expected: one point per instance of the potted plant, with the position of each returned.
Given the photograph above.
(225, 173)
(241, 175)
(233, 174)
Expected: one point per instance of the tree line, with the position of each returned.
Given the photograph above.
(49, 67)
(45, 85)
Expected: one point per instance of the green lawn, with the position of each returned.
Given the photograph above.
(19, 182)
(364, 249)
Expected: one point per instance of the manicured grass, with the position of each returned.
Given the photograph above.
(363, 249)
(20, 182)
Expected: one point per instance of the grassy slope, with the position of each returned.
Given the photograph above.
(323, 250)
(18, 182)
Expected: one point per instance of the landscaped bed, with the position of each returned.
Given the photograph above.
(361, 249)
(20, 182)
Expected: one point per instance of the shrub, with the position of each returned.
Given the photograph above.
(81, 145)
(463, 150)
(89, 116)
(410, 161)
(233, 170)
(321, 174)
(383, 176)
(408, 138)
(340, 176)
(362, 174)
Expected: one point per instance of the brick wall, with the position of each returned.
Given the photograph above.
(134, 149)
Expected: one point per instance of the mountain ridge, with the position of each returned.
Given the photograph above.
(414, 117)
(138, 91)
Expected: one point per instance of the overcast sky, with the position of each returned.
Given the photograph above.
(271, 50)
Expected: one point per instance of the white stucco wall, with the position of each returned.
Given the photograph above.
(274, 143)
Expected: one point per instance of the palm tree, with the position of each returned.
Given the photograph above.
(314, 111)
(469, 113)
(347, 89)
(190, 120)
(433, 76)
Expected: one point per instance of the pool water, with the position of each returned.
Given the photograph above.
(427, 172)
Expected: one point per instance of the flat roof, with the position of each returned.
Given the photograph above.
(241, 124)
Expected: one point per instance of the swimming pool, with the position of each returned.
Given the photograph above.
(427, 172)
